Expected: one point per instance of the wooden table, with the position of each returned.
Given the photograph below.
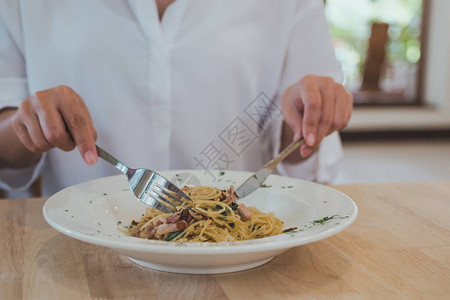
(398, 247)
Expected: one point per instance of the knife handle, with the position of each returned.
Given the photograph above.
(285, 153)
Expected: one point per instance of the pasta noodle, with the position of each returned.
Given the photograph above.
(212, 216)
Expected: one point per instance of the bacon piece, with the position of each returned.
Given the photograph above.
(173, 218)
(181, 225)
(185, 216)
(245, 212)
(147, 233)
(194, 215)
(165, 229)
(231, 196)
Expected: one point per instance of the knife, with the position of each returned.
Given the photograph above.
(258, 178)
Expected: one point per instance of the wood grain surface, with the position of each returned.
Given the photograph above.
(398, 248)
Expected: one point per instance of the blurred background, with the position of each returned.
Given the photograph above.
(395, 56)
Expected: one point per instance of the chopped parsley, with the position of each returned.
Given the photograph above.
(173, 235)
(292, 230)
(315, 223)
(265, 185)
(326, 219)
(222, 173)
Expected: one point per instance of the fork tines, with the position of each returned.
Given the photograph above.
(167, 197)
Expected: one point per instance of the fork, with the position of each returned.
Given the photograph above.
(148, 186)
(258, 178)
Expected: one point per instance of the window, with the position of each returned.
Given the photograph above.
(379, 45)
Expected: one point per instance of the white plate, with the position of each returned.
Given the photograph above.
(93, 211)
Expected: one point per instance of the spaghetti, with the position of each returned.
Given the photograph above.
(212, 216)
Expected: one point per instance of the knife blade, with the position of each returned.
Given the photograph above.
(257, 179)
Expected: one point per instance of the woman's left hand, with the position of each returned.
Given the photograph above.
(314, 107)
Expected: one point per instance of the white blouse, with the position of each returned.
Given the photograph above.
(200, 89)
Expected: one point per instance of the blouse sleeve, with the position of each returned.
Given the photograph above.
(310, 51)
(13, 88)
(13, 82)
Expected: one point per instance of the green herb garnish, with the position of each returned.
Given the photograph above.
(325, 219)
(173, 235)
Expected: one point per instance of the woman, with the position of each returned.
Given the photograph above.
(162, 85)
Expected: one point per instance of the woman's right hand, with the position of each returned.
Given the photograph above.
(56, 118)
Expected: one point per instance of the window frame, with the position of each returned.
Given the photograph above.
(390, 100)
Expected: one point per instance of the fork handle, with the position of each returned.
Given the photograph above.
(112, 160)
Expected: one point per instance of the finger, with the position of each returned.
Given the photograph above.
(91, 123)
(292, 112)
(27, 117)
(50, 121)
(36, 134)
(305, 150)
(54, 130)
(344, 106)
(77, 121)
(327, 118)
(349, 110)
(312, 102)
(22, 133)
